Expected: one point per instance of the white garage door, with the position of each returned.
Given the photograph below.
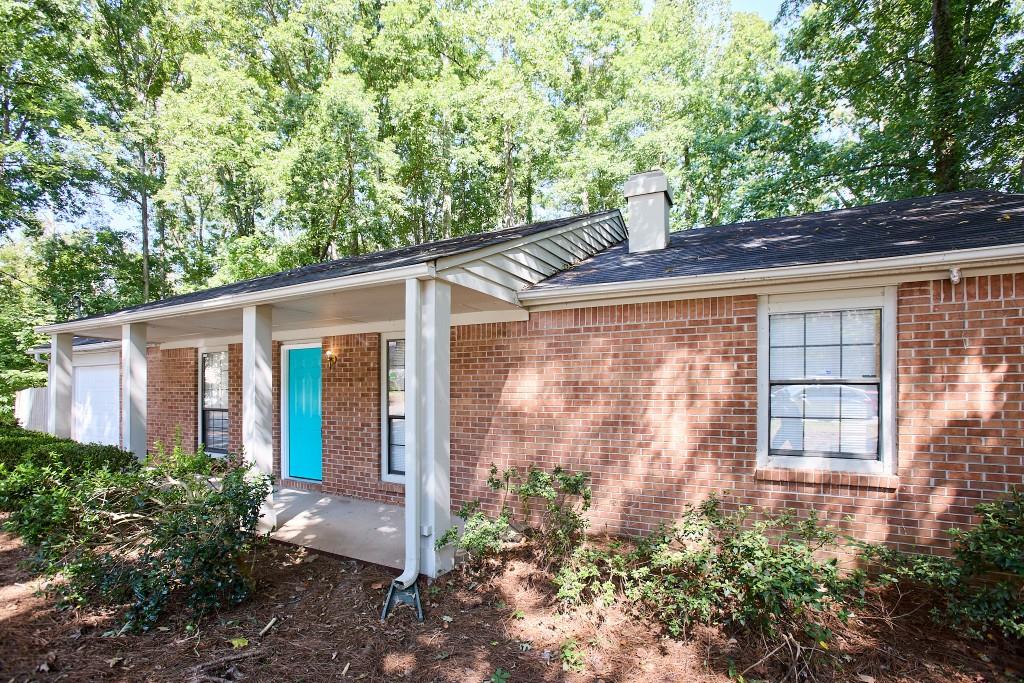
(97, 404)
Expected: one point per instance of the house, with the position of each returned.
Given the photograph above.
(864, 362)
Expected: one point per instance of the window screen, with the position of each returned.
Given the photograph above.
(824, 382)
(214, 417)
(395, 428)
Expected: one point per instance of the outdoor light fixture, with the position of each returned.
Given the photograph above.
(954, 275)
(332, 359)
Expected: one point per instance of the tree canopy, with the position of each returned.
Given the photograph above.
(239, 138)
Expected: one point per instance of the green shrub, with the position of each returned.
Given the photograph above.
(481, 537)
(18, 446)
(980, 588)
(563, 498)
(184, 525)
(728, 569)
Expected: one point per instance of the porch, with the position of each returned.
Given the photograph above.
(360, 529)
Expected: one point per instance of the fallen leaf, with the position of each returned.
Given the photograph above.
(114, 661)
(864, 678)
(377, 585)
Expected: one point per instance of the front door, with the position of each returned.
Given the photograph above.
(305, 446)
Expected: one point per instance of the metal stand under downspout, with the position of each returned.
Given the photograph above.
(403, 596)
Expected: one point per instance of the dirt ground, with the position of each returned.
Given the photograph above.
(325, 612)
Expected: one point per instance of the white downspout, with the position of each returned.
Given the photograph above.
(413, 417)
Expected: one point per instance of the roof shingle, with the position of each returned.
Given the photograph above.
(945, 222)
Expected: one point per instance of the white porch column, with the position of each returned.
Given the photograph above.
(59, 386)
(428, 395)
(134, 370)
(257, 395)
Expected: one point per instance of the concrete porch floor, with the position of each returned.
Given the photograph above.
(360, 529)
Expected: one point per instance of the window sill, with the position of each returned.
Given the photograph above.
(885, 482)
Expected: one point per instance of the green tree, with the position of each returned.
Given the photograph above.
(917, 98)
(21, 307)
(87, 272)
(42, 111)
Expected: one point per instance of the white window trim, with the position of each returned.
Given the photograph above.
(877, 297)
(199, 394)
(385, 437)
(285, 348)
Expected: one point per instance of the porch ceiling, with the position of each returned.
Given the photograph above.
(371, 308)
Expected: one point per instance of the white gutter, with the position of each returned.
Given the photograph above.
(983, 256)
(228, 301)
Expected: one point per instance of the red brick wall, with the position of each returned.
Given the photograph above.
(352, 420)
(658, 402)
(961, 403)
(172, 398)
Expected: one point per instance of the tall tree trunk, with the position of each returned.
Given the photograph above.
(529, 192)
(144, 207)
(946, 94)
(508, 218)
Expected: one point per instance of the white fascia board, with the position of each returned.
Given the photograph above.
(984, 256)
(269, 296)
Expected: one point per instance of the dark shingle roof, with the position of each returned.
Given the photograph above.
(365, 263)
(945, 222)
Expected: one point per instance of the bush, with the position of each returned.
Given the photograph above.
(182, 525)
(712, 567)
(563, 498)
(980, 589)
(18, 446)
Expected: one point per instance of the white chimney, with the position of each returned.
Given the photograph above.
(649, 199)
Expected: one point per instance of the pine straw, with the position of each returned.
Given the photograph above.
(327, 611)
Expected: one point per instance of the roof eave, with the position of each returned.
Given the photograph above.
(688, 284)
(269, 296)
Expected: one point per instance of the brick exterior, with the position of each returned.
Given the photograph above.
(658, 402)
(172, 396)
(352, 420)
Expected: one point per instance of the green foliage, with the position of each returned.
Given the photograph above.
(980, 588)
(571, 656)
(918, 97)
(21, 446)
(564, 497)
(181, 528)
(481, 537)
(41, 68)
(87, 272)
(712, 567)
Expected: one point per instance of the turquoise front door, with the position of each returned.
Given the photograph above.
(305, 445)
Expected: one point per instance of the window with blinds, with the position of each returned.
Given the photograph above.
(825, 384)
(214, 419)
(394, 429)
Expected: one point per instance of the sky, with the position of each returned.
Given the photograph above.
(766, 8)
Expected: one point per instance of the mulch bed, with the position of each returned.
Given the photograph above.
(325, 613)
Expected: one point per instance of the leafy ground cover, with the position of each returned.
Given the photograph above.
(323, 613)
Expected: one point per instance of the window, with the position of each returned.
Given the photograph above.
(393, 428)
(825, 382)
(213, 427)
